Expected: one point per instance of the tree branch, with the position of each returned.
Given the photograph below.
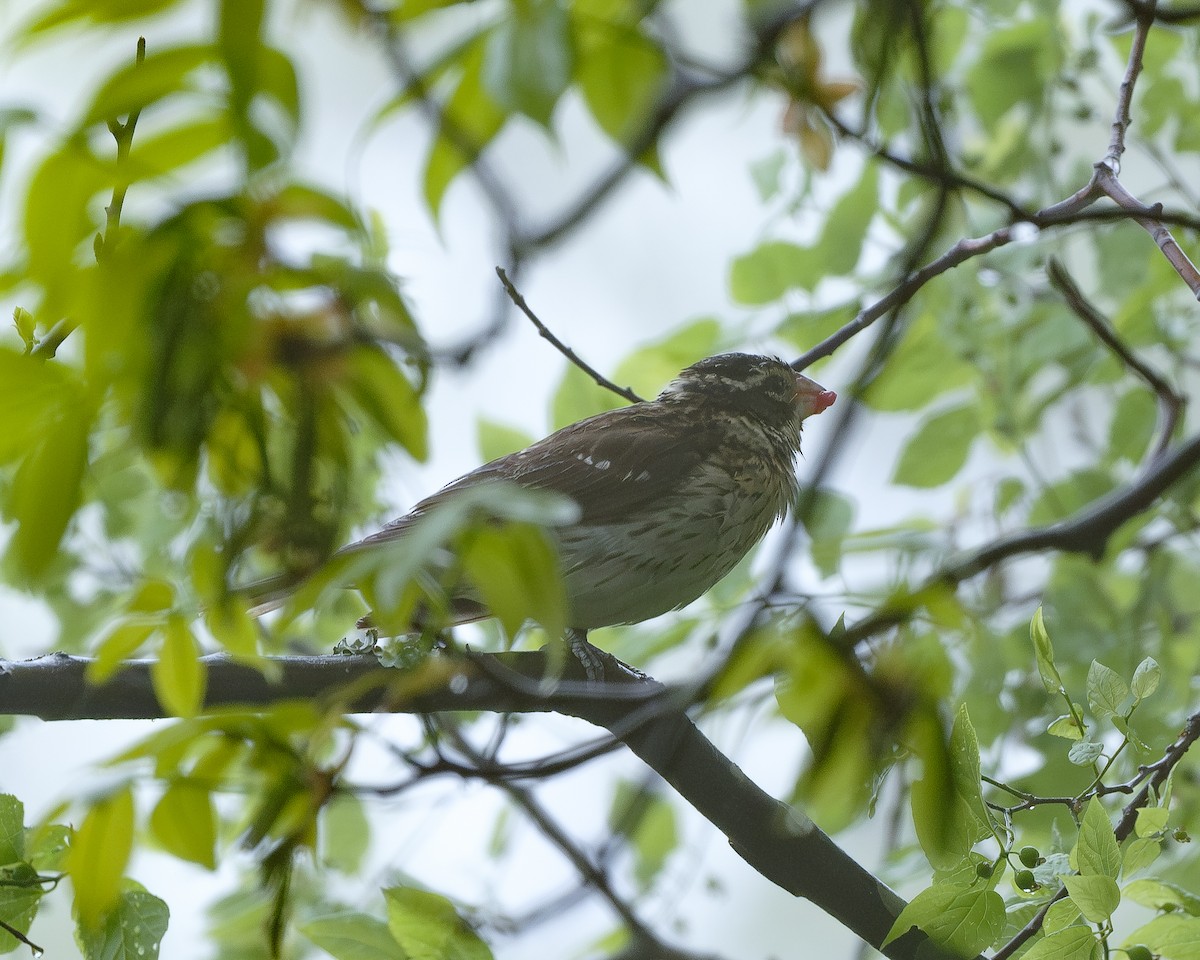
(777, 840)
(1170, 401)
(546, 334)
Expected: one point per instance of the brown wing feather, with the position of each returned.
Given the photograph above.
(606, 471)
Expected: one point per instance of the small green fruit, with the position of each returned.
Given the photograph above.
(1030, 856)
(984, 870)
(1025, 880)
(1139, 952)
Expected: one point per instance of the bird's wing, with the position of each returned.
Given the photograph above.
(611, 465)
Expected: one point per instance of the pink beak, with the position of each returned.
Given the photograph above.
(811, 397)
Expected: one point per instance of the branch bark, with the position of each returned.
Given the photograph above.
(774, 838)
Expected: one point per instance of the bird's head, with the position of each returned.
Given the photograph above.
(766, 388)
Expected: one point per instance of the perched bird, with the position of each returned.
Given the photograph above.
(671, 493)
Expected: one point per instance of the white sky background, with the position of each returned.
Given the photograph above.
(654, 257)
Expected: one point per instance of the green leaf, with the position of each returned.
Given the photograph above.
(30, 392)
(345, 833)
(528, 60)
(578, 396)
(133, 931)
(621, 74)
(471, 119)
(1044, 652)
(1073, 943)
(1066, 727)
(137, 85)
(648, 820)
(46, 488)
(1096, 851)
(185, 823)
(1156, 894)
(18, 907)
(384, 393)
(515, 568)
(964, 763)
(922, 367)
(12, 829)
(1106, 689)
(178, 676)
(119, 644)
(1171, 936)
(829, 519)
(1085, 752)
(497, 439)
(1097, 897)
(427, 927)
(964, 919)
(1025, 54)
(1145, 679)
(938, 450)
(169, 151)
(353, 936)
(1140, 852)
(1133, 425)
(1060, 915)
(1151, 821)
(771, 269)
(99, 852)
(846, 224)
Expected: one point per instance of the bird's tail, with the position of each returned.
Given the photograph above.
(270, 593)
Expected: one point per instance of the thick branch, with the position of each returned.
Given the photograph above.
(775, 839)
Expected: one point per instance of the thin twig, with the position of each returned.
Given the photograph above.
(1170, 401)
(1133, 67)
(603, 381)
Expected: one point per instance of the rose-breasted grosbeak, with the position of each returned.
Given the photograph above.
(671, 493)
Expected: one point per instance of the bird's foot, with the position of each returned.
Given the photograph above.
(596, 661)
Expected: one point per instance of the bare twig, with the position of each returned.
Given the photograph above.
(962, 251)
(603, 381)
(1170, 401)
(1133, 67)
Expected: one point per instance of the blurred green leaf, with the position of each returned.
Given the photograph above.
(935, 454)
(46, 488)
(846, 224)
(1025, 55)
(383, 391)
(354, 936)
(135, 86)
(470, 119)
(345, 833)
(773, 268)
(185, 823)
(529, 57)
(515, 569)
(620, 71)
(178, 675)
(922, 367)
(426, 925)
(498, 440)
(99, 852)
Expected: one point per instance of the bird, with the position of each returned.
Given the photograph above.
(671, 493)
